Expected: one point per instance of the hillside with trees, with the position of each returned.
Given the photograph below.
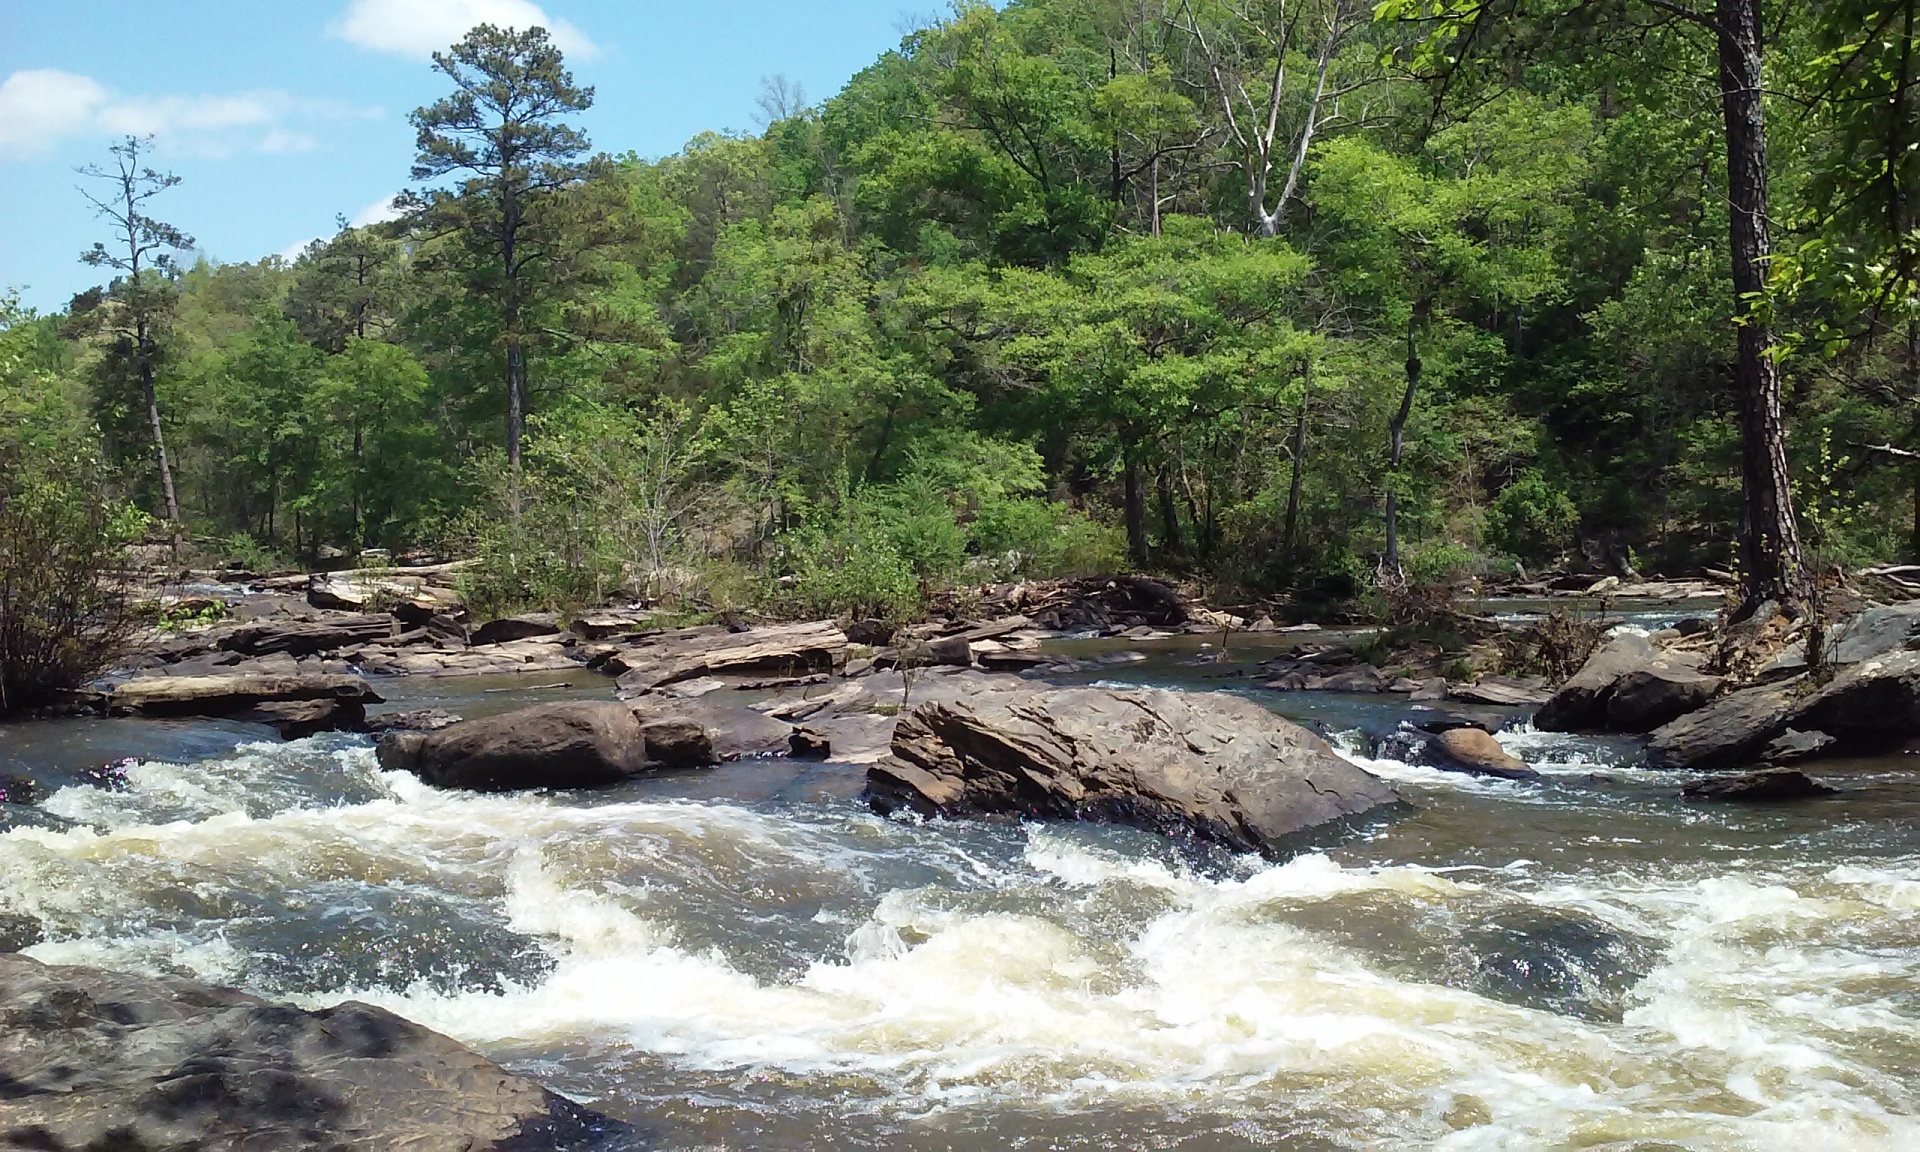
(1289, 296)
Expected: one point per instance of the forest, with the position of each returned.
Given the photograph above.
(1295, 297)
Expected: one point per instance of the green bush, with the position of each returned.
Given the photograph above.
(854, 572)
(64, 612)
(1532, 519)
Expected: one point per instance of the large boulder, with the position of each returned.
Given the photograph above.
(510, 628)
(1475, 751)
(784, 651)
(1733, 730)
(1581, 703)
(590, 744)
(96, 1059)
(1210, 765)
(1874, 701)
(685, 733)
(1752, 787)
(1657, 694)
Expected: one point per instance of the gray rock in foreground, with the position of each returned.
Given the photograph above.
(97, 1059)
(1207, 764)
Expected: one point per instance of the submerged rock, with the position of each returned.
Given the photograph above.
(1778, 784)
(590, 744)
(1207, 764)
(97, 1059)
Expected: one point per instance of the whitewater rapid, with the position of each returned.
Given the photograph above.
(879, 982)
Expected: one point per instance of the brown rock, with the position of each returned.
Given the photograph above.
(577, 745)
(786, 651)
(225, 695)
(1475, 751)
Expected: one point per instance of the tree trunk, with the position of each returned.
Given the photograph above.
(1289, 538)
(510, 317)
(1135, 511)
(1396, 431)
(515, 417)
(144, 346)
(1171, 538)
(1772, 566)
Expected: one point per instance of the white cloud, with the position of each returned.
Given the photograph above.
(39, 108)
(378, 212)
(419, 28)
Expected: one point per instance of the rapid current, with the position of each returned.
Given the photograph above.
(748, 958)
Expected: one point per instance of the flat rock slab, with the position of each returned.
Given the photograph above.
(296, 637)
(1211, 765)
(792, 650)
(222, 695)
(97, 1059)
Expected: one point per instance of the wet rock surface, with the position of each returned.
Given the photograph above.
(92, 1059)
(1771, 786)
(577, 745)
(1213, 766)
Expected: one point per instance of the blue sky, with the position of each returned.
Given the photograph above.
(279, 115)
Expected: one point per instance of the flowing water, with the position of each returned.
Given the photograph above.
(749, 959)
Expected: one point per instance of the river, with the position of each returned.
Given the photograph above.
(748, 958)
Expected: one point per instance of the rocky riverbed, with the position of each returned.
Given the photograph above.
(1003, 879)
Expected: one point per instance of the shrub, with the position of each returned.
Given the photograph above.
(611, 503)
(1030, 536)
(1532, 519)
(64, 612)
(854, 572)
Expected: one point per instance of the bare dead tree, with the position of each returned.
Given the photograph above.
(141, 252)
(1256, 39)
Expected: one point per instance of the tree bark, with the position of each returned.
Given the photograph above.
(144, 347)
(509, 252)
(1396, 433)
(1289, 539)
(1772, 565)
(1135, 510)
(1172, 541)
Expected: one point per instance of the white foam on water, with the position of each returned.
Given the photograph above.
(1764, 1024)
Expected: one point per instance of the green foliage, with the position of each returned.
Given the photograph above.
(63, 607)
(1532, 519)
(1002, 308)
